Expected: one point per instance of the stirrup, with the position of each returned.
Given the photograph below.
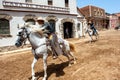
(54, 57)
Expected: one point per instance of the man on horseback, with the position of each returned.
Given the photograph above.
(93, 28)
(51, 36)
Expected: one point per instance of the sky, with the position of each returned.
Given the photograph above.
(110, 6)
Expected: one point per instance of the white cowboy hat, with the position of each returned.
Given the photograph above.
(40, 19)
(89, 22)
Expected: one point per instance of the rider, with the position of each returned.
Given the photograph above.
(52, 37)
(93, 28)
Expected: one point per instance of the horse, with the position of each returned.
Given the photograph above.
(40, 46)
(91, 33)
(68, 47)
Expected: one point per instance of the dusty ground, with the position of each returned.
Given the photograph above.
(99, 60)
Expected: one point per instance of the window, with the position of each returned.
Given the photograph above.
(52, 23)
(95, 12)
(66, 3)
(31, 21)
(4, 26)
(50, 2)
(101, 13)
(28, 1)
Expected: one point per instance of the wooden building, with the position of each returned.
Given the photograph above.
(118, 15)
(95, 14)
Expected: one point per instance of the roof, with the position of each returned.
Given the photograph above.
(118, 14)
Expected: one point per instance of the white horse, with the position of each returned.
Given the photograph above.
(91, 33)
(68, 47)
(39, 46)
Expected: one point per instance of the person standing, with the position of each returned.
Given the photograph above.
(67, 32)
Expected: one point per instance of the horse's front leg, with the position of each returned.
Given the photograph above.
(97, 35)
(32, 66)
(91, 38)
(45, 65)
(90, 34)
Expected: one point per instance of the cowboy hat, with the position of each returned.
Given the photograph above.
(89, 22)
(40, 20)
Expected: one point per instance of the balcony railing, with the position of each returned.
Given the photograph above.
(34, 6)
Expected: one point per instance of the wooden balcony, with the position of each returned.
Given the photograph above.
(31, 6)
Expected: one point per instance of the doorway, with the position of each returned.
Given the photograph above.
(68, 30)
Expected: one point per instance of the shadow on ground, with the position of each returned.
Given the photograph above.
(53, 68)
(93, 41)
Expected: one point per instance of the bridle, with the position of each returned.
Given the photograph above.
(24, 35)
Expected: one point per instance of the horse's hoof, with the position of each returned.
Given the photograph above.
(34, 78)
(69, 65)
(54, 57)
(44, 78)
(74, 62)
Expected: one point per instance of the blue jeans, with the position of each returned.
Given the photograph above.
(94, 31)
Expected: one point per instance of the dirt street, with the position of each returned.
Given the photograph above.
(99, 60)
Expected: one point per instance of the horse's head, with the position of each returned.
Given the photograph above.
(22, 36)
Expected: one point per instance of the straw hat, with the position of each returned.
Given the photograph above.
(89, 22)
(40, 20)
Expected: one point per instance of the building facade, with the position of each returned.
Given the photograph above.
(61, 14)
(114, 20)
(118, 15)
(96, 15)
(82, 24)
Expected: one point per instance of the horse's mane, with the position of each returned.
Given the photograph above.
(34, 28)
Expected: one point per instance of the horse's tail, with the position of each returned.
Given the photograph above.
(72, 47)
